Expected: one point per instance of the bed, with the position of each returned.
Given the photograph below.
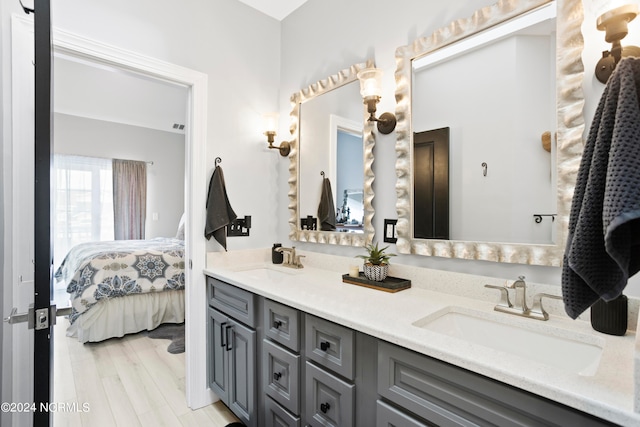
(123, 286)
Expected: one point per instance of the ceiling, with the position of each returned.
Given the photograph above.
(100, 92)
(278, 9)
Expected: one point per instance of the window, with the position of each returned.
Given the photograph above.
(83, 202)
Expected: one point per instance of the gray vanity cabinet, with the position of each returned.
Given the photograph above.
(275, 366)
(232, 349)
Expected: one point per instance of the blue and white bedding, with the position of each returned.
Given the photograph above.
(99, 271)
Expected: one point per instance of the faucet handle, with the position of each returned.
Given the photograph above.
(538, 311)
(504, 298)
(516, 283)
(297, 261)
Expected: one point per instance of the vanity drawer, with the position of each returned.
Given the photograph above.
(388, 416)
(329, 400)
(281, 375)
(233, 301)
(444, 394)
(330, 345)
(282, 324)
(277, 416)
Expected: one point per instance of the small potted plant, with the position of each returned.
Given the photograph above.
(376, 262)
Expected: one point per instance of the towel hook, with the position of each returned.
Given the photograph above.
(322, 173)
(26, 9)
(484, 168)
(218, 161)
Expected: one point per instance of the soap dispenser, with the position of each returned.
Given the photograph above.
(276, 257)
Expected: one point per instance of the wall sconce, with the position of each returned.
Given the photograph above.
(270, 125)
(614, 22)
(371, 89)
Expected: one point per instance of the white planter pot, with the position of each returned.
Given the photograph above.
(377, 273)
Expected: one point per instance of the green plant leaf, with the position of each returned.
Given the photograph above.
(376, 255)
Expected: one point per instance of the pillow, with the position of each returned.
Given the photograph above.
(180, 233)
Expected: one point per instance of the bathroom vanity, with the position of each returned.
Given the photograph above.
(329, 353)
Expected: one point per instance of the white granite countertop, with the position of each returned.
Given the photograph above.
(608, 393)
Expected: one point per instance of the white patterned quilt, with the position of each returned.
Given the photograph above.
(101, 270)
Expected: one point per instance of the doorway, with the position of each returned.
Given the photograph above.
(67, 44)
(197, 392)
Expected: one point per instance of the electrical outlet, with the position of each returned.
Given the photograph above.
(154, 216)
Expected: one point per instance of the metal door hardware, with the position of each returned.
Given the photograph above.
(37, 319)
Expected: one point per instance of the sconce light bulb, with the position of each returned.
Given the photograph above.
(370, 82)
(614, 22)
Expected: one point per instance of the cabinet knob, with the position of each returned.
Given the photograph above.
(324, 407)
(277, 324)
(324, 345)
(277, 375)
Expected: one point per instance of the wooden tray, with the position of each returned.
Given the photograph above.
(390, 284)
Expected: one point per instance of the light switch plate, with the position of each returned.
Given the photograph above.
(390, 234)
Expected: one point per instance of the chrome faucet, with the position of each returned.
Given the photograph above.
(519, 307)
(521, 294)
(290, 258)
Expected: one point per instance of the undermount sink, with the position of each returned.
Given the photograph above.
(268, 272)
(538, 342)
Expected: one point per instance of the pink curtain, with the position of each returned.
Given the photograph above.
(129, 199)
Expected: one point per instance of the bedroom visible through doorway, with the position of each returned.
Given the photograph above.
(103, 113)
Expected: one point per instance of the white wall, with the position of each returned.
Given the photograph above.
(4, 418)
(6, 9)
(165, 178)
(359, 31)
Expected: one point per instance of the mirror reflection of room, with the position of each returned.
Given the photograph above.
(331, 127)
(495, 136)
(349, 182)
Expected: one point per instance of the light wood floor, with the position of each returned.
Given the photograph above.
(130, 381)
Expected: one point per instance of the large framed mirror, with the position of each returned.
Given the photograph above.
(502, 83)
(332, 142)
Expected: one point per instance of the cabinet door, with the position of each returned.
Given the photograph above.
(281, 377)
(241, 348)
(330, 345)
(276, 416)
(217, 354)
(329, 400)
(281, 324)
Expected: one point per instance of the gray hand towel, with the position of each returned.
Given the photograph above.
(219, 211)
(603, 244)
(326, 208)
